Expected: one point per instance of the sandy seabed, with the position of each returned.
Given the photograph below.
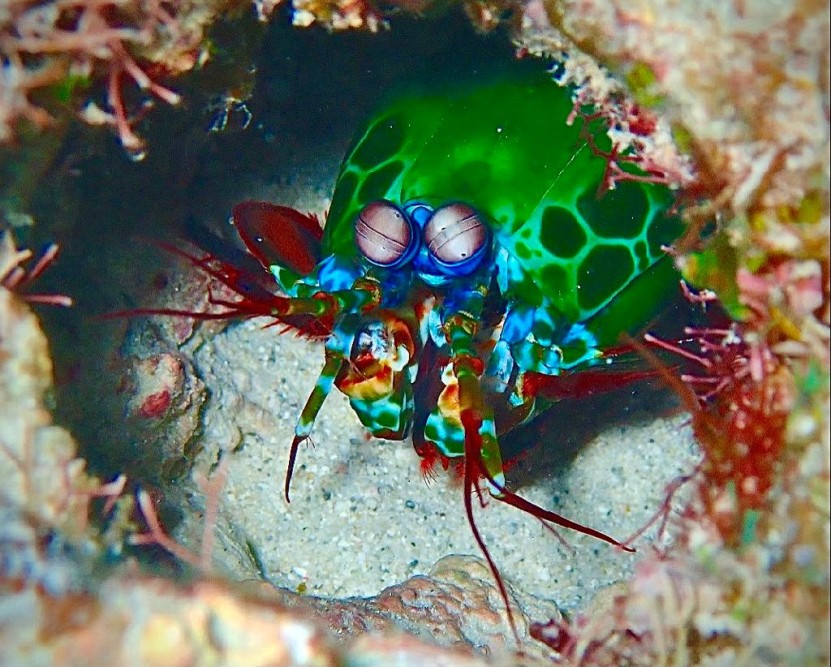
(362, 517)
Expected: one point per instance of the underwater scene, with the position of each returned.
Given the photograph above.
(417, 333)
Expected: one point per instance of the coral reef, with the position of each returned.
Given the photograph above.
(741, 89)
(745, 88)
(45, 495)
(51, 50)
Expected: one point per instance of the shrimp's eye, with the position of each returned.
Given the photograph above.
(457, 239)
(385, 235)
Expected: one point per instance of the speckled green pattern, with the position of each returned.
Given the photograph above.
(507, 149)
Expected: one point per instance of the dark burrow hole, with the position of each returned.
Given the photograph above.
(312, 89)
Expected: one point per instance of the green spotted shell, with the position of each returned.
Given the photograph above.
(507, 149)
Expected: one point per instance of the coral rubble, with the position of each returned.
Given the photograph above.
(745, 88)
(51, 50)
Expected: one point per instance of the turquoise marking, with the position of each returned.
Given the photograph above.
(383, 417)
(335, 274)
(500, 367)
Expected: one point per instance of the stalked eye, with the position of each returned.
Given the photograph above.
(418, 212)
(385, 235)
(457, 239)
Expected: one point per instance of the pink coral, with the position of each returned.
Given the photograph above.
(68, 42)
